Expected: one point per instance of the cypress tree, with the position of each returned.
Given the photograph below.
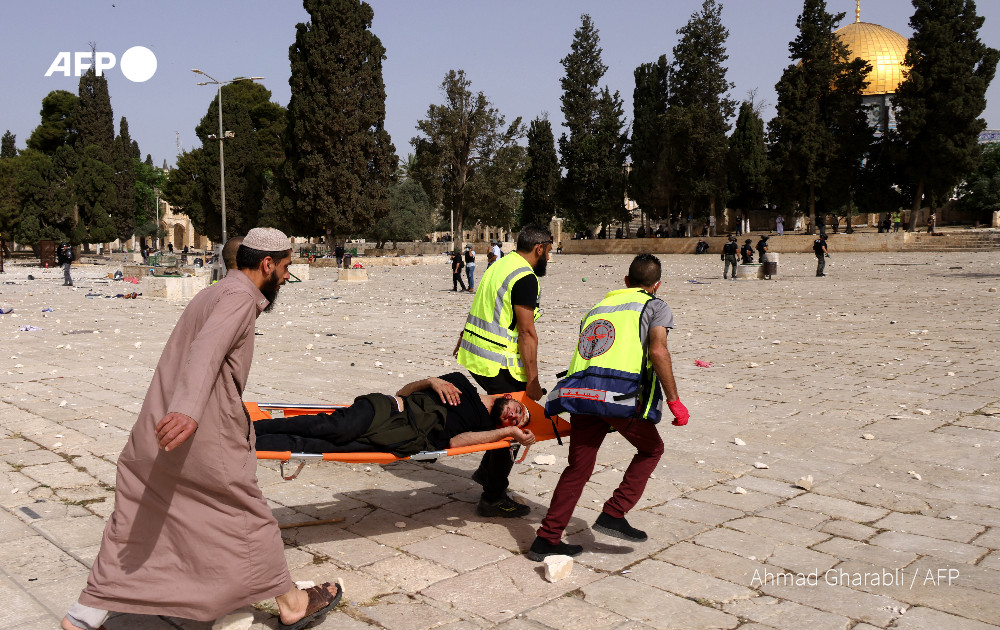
(95, 194)
(747, 161)
(541, 179)
(57, 127)
(701, 107)
(649, 181)
(611, 149)
(942, 96)
(340, 157)
(814, 97)
(123, 210)
(580, 102)
(8, 146)
(95, 121)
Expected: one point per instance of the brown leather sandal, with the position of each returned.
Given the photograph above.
(320, 603)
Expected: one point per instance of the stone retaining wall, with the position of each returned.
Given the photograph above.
(789, 243)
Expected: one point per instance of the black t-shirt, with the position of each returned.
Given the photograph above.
(524, 293)
(818, 246)
(456, 263)
(468, 415)
(729, 248)
(747, 251)
(761, 247)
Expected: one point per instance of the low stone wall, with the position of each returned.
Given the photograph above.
(788, 243)
(385, 261)
(172, 287)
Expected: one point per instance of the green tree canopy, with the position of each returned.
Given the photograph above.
(541, 176)
(980, 192)
(46, 203)
(747, 160)
(803, 133)
(942, 96)
(57, 128)
(94, 193)
(579, 104)
(126, 153)
(340, 157)
(409, 217)
(467, 138)
(8, 147)
(650, 179)
(94, 118)
(700, 108)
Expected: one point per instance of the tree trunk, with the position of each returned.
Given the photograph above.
(812, 209)
(911, 225)
(850, 211)
(711, 215)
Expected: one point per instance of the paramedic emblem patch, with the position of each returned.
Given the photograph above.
(596, 339)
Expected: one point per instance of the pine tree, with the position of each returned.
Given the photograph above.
(649, 181)
(541, 179)
(466, 138)
(8, 147)
(942, 96)
(95, 121)
(126, 154)
(340, 157)
(58, 126)
(580, 102)
(804, 132)
(701, 107)
(255, 147)
(747, 161)
(611, 150)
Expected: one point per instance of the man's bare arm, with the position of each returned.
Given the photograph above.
(471, 438)
(449, 394)
(527, 345)
(661, 361)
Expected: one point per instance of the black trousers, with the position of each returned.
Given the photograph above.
(496, 465)
(456, 279)
(335, 432)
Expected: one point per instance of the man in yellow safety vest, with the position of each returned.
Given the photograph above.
(613, 381)
(499, 347)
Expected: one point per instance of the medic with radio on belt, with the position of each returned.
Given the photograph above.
(614, 381)
(499, 347)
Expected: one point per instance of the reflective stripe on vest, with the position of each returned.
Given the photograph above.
(488, 344)
(611, 374)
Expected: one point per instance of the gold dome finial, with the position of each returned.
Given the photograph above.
(857, 12)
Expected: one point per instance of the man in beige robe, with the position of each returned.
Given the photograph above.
(191, 534)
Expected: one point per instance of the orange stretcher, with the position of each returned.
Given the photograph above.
(544, 427)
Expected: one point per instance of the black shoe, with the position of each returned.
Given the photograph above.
(504, 508)
(619, 528)
(541, 549)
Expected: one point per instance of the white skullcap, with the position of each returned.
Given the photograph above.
(267, 240)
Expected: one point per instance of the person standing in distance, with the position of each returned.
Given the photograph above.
(819, 248)
(191, 534)
(729, 251)
(614, 382)
(470, 267)
(499, 347)
(65, 256)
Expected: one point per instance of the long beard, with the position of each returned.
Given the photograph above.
(270, 290)
(542, 266)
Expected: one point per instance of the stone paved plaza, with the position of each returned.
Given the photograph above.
(880, 381)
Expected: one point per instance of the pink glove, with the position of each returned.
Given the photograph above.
(680, 412)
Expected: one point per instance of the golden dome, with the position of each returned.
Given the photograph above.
(883, 48)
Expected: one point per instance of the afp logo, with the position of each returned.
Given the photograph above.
(138, 63)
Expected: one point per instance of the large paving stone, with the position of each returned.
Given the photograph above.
(928, 526)
(573, 612)
(653, 607)
(787, 615)
(777, 530)
(921, 618)
(687, 583)
(875, 609)
(838, 507)
(459, 553)
(925, 545)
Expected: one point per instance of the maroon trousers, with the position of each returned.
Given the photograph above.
(585, 438)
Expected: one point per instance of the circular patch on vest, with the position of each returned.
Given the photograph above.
(596, 339)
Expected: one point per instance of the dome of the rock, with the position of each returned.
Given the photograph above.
(883, 48)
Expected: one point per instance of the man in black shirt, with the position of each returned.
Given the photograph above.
(819, 248)
(747, 252)
(762, 249)
(457, 264)
(729, 255)
(426, 415)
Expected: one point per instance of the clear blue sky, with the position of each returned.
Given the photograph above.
(510, 50)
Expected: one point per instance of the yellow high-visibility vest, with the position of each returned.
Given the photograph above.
(488, 344)
(611, 373)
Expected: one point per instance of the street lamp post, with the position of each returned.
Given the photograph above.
(220, 268)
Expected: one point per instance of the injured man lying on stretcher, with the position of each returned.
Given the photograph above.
(427, 415)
